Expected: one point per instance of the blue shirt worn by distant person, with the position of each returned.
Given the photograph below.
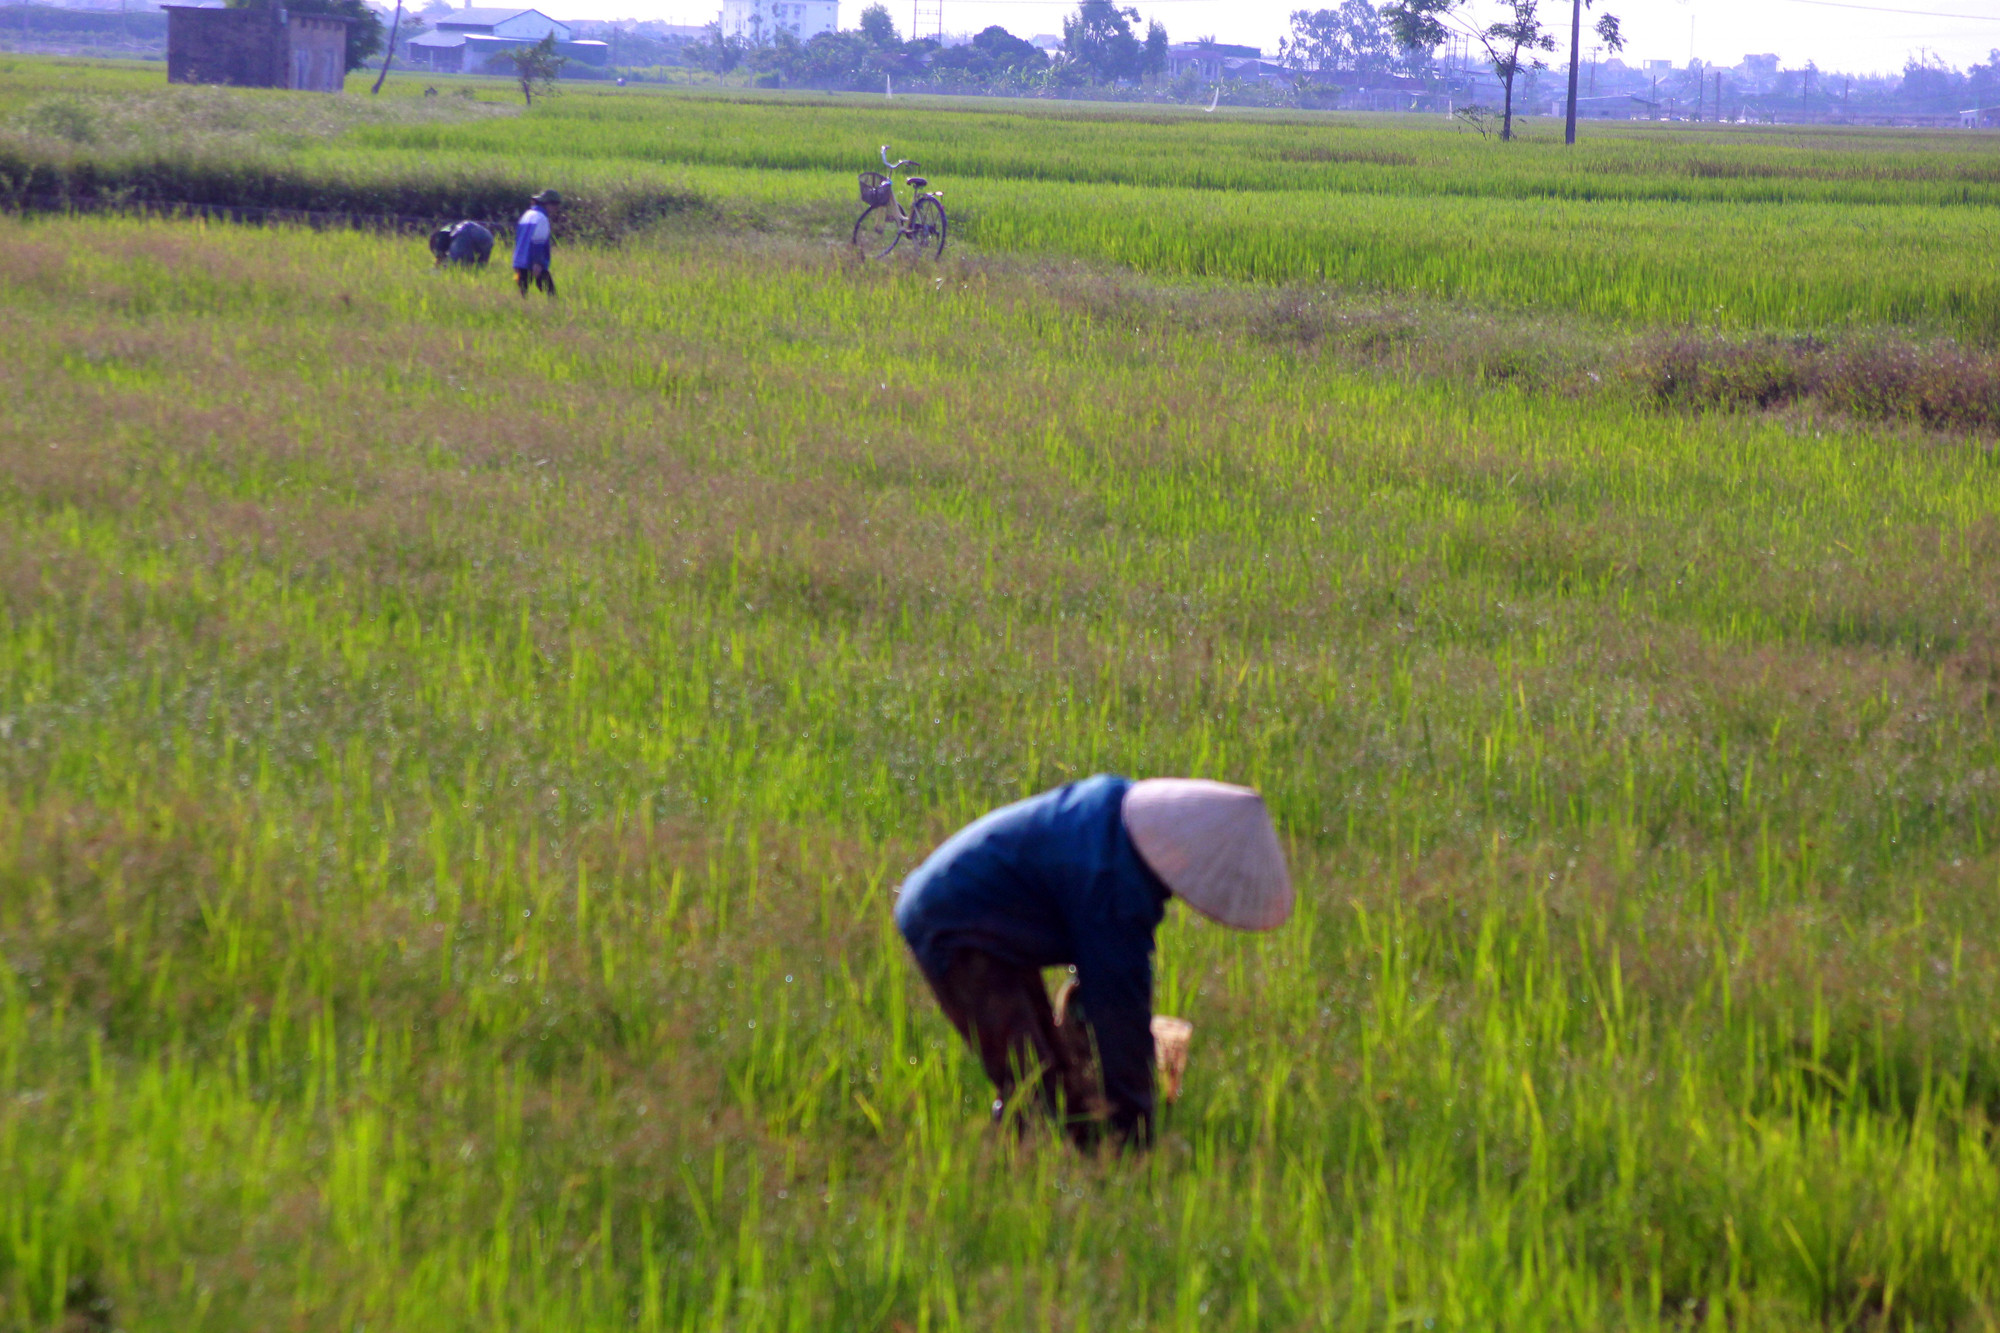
(531, 239)
(1051, 881)
(470, 244)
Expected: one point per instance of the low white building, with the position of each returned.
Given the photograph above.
(761, 20)
(470, 40)
(521, 25)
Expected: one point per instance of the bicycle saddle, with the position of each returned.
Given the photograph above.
(916, 182)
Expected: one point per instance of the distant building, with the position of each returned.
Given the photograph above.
(256, 48)
(466, 41)
(1980, 118)
(1365, 90)
(1212, 61)
(761, 20)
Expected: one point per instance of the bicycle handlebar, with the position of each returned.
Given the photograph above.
(896, 165)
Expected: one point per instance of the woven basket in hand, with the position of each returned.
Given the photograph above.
(1170, 1040)
(1170, 1051)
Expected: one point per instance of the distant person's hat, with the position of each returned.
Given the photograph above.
(1214, 846)
(545, 197)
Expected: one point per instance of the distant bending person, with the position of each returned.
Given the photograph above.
(468, 243)
(1081, 876)
(533, 237)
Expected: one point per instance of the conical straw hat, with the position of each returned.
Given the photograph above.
(1214, 846)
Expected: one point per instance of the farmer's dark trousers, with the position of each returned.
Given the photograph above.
(1003, 1013)
(539, 276)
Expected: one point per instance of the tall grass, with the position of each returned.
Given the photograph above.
(101, 143)
(458, 755)
(1730, 227)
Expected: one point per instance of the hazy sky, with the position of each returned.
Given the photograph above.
(1855, 37)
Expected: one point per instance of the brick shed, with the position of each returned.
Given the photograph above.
(256, 48)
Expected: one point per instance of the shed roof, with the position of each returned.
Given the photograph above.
(482, 18)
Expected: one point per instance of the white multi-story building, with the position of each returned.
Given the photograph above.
(761, 20)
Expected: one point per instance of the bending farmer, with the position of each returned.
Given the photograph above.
(468, 243)
(1081, 876)
(532, 244)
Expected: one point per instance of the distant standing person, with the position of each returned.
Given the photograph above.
(532, 239)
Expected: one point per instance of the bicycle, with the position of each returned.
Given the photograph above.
(885, 224)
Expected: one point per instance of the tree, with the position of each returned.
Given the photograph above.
(364, 27)
(1607, 33)
(721, 53)
(1008, 51)
(1099, 40)
(536, 67)
(1983, 81)
(1354, 37)
(879, 28)
(991, 56)
(1929, 82)
(1153, 60)
(1509, 46)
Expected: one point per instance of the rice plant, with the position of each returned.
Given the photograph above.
(455, 758)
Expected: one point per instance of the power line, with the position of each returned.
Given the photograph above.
(1884, 9)
(1827, 4)
(1071, 4)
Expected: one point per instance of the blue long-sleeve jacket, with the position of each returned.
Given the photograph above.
(532, 239)
(1051, 881)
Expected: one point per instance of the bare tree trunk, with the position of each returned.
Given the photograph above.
(390, 54)
(1507, 114)
(1575, 50)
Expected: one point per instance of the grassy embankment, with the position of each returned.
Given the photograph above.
(456, 759)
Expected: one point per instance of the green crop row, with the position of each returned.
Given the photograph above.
(1174, 148)
(1811, 266)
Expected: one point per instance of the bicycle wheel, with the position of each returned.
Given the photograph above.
(876, 232)
(927, 222)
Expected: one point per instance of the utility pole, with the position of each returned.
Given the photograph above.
(1575, 49)
(1593, 69)
(1718, 95)
(388, 56)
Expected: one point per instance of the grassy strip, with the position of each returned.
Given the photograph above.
(1942, 388)
(606, 206)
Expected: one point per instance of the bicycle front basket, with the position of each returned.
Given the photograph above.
(876, 191)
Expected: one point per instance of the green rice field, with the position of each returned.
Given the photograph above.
(457, 754)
